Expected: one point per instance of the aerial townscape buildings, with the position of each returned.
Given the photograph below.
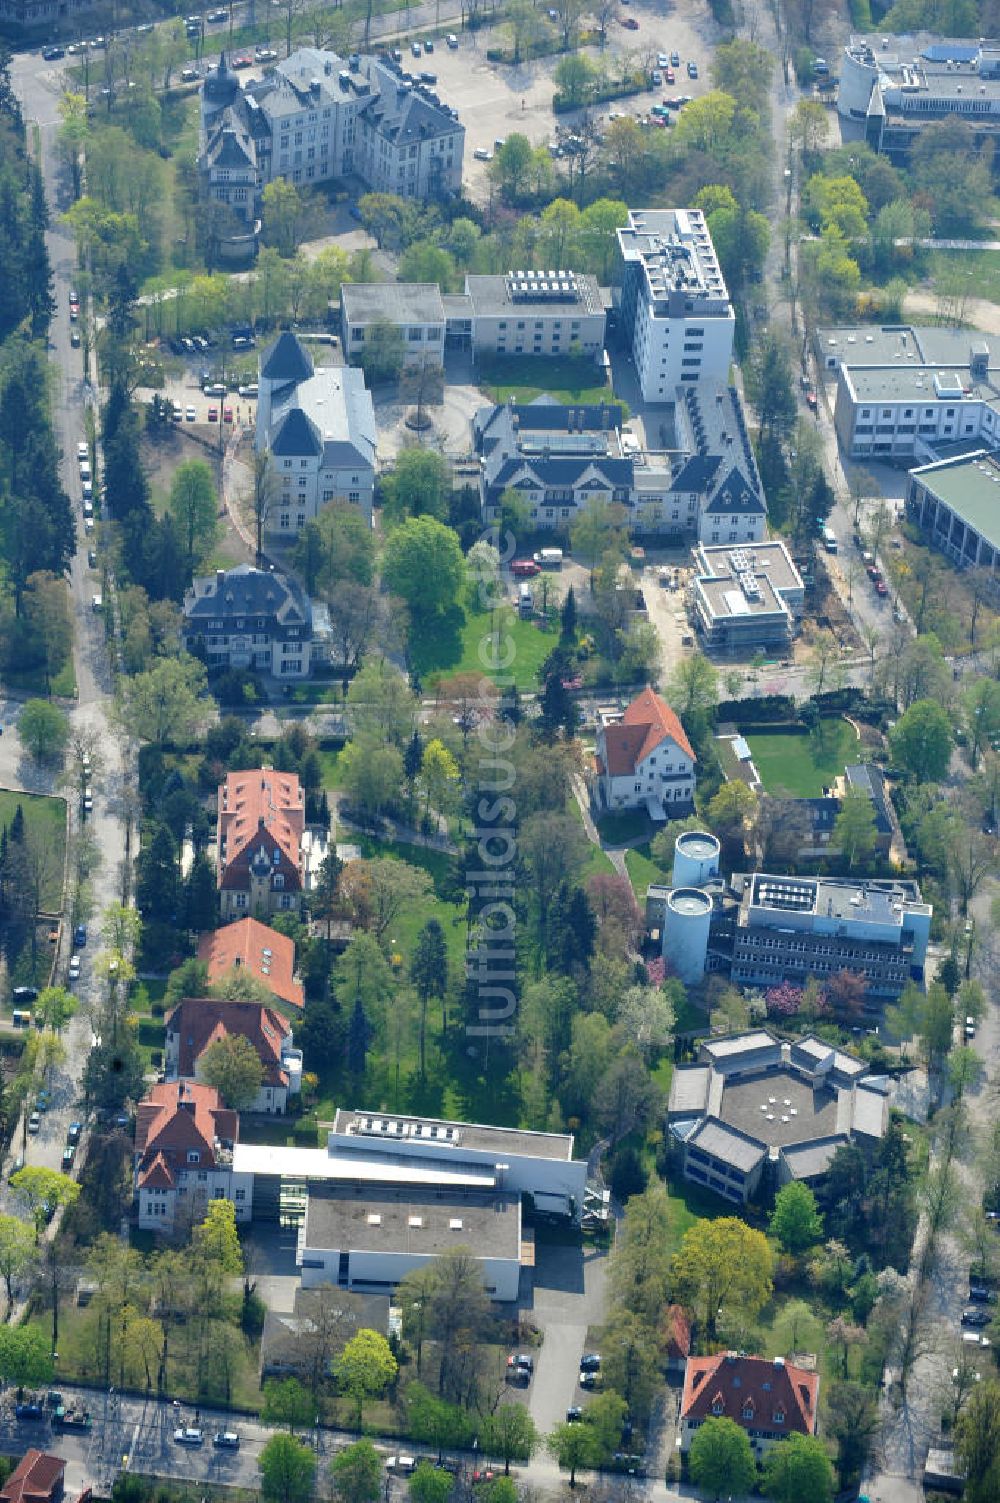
(499, 624)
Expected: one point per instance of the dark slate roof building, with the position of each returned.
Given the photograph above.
(250, 618)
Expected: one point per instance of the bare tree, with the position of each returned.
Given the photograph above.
(263, 494)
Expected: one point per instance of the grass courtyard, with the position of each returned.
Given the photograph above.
(451, 644)
(45, 818)
(801, 766)
(568, 380)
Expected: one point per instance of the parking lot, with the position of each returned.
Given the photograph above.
(494, 100)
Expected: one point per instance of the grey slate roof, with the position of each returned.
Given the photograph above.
(566, 473)
(286, 360)
(246, 591)
(295, 436)
(697, 473)
(727, 1144)
(736, 495)
(868, 779)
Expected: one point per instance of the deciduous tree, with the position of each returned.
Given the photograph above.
(721, 1458)
(233, 1066)
(725, 1266)
(795, 1221)
(366, 1368)
(287, 1470)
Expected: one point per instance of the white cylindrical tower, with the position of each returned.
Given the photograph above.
(858, 73)
(686, 924)
(696, 858)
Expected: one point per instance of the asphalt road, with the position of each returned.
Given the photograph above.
(37, 89)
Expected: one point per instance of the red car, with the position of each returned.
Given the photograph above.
(630, 23)
(227, 415)
(213, 414)
(242, 60)
(525, 568)
(669, 76)
(881, 588)
(811, 402)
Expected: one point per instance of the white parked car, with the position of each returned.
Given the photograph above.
(82, 451)
(189, 1435)
(74, 967)
(483, 154)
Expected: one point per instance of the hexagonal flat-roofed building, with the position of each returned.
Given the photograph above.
(756, 1108)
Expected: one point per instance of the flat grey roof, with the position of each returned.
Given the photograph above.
(541, 1145)
(915, 383)
(728, 1144)
(726, 569)
(741, 1043)
(490, 295)
(903, 345)
(399, 302)
(689, 1089)
(402, 1222)
(778, 1107)
(812, 1050)
(869, 1113)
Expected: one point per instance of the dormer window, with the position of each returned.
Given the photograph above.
(717, 1407)
(748, 1410)
(779, 1416)
(194, 1157)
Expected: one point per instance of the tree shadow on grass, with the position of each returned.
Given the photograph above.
(436, 642)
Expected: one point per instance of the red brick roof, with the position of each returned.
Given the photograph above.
(175, 1119)
(753, 1391)
(678, 1332)
(645, 725)
(254, 947)
(265, 803)
(202, 1021)
(36, 1476)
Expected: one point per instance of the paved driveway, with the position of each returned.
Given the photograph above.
(568, 1297)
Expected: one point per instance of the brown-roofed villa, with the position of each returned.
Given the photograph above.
(643, 759)
(260, 828)
(196, 1023)
(261, 951)
(768, 1398)
(184, 1139)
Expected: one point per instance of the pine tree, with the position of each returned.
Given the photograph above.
(568, 618)
(359, 1036)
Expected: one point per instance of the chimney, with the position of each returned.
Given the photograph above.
(220, 578)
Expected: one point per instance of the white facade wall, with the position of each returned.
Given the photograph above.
(725, 528)
(321, 1266)
(679, 351)
(666, 774)
(159, 1210)
(422, 340)
(306, 485)
(532, 331)
(525, 1174)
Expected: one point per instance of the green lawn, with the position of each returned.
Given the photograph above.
(329, 757)
(625, 827)
(689, 1204)
(45, 817)
(981, 268)
(32, 681)
(566, 379)
(801, 766)
(643, 870)
(451, 644)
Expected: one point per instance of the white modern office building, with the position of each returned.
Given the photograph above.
(674, 311)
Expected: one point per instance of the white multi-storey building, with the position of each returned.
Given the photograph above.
(674, 311)
(318, 425)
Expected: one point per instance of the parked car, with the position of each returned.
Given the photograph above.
(483, 154)
(574, 1414)
(662, 60)
(31, 1411)
(34, 1123)
(976, 1315)
(74, 1133)
(970, 1028)
(590, 1362)
(189, 75)
(588, 1379)
(243, 60)
(630, 23)
(675, 60)
(452, 40)
(266, 55)
(982, 1294)
(189, 1435)
(669, 76)
(52, 54)
(68, 1155)
(416, 49)
(74, 338)
(74, 967)
(21, 995)
(692, 69)
(402, 1464)
(213, 414)
(190, 414)
(226, 1440)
